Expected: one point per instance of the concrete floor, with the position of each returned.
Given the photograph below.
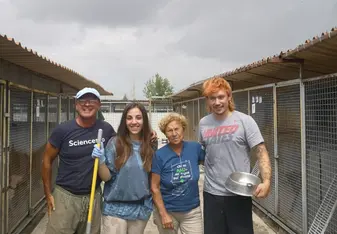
(259, 226)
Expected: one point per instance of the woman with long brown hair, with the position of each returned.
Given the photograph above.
(125, 164)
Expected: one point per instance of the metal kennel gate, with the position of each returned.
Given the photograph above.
(27, 119)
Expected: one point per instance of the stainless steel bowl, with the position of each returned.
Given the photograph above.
(242, 183)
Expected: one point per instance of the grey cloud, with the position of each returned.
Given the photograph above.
(119, 42)
(34, 35)
(95, 13)
(247, 32)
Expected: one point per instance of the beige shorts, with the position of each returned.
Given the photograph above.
(114, 225)
(188, 222)
(71, 213)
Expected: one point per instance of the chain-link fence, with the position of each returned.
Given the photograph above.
(262, 113)
(158, 109)
(289, 156)
(31, 118)
(298, 121)
(19, 156)
(321, 147)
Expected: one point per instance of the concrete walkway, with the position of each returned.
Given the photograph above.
(259, 226)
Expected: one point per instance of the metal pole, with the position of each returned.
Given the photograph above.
(2, 146)
(31, 150)
(59, 109)
(249, 102)
(199, 114)
(47, 118)
(303, 156)
(59, 113)
(276, 158)
(193, 121)
(150, 110)
(7, 133)
(68, 109)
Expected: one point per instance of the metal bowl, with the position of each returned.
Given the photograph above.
(242, 183)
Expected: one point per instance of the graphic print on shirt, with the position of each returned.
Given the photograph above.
(219, 134)
(74, 143)
(181, 174)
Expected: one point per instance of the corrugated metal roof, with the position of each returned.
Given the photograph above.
(319, 57)
(14, 52)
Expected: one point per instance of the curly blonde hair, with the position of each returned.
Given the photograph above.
(172, 117)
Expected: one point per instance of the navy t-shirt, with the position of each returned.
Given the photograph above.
(75, 145)
(179, 176)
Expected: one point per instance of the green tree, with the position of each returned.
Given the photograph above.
(157, 86)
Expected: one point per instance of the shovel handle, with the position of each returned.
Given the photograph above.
(93, 184)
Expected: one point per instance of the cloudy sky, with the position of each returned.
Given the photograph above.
(120, 42)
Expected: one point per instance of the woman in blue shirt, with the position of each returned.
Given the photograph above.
(124, 167)
(174, 180)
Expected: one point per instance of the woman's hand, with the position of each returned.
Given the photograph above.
(167, 221)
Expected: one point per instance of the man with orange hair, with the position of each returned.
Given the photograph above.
(228, 136)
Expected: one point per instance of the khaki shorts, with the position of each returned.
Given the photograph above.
(71, 213)
(187, 222)
(114, 225)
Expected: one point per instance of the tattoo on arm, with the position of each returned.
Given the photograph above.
(261, 153)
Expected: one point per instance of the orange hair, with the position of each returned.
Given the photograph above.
(215, 84)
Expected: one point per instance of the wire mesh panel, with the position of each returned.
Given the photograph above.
(195, 123)
(72, 109)
(321, 147)
(289, 152)
(38, 143)
(203, 107)
(52, 123)
(156, 118)
(19, 156)
(177, 108)
(190, 113)
(241, 101)
(113, 118)
(262, 112)
(184, 113)
(64, 109)
(160, 108)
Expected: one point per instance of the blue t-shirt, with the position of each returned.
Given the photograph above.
(75, 145)
(127, 194)
(179, 176)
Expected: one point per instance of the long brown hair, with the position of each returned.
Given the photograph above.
(123, 140)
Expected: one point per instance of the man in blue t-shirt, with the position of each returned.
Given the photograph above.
(73, 142)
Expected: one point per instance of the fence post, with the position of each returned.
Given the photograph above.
(199, 114)
(30, 209)
(249, 102)
(59, 109)
(303, 155)
(150, 119)
(47, 118)
(2, 156)
(276, 173)
(68, 109)
(7, 145)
